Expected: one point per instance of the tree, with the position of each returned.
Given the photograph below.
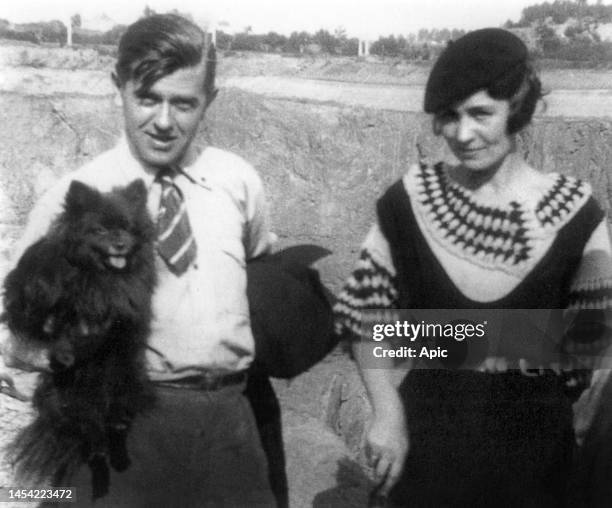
(425, 52)
(245, 41)
(445, 35)
(386, 46)
(75, 20)
(224, 40)
(547, 39)
(148, 12)
(113, 35)
(340, 33)
(274, 41)
(185, 15)
(297, 42)
(560, 11)
(350, 47)
(456, 33)
(326, 40)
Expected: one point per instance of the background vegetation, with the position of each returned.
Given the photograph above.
(566, 31)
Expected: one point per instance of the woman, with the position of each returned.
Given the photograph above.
(485, 231)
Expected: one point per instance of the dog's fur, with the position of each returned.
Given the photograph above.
(84, 292)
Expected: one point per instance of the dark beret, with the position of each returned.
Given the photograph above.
(475, 62)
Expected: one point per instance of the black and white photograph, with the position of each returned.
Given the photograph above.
(294, 254)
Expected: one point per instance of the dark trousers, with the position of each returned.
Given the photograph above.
(194, 449)
(267, 412)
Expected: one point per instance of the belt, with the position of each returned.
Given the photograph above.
(208, 381)
(494, 365)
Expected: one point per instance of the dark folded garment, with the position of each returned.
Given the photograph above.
(291, 316)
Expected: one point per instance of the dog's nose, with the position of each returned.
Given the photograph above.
(119, 247)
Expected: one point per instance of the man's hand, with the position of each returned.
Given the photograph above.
(7, 387)
(387, 445)
(16, 354)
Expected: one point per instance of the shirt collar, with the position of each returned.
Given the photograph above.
(132, 169)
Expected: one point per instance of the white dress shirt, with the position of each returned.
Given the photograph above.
(201, 318)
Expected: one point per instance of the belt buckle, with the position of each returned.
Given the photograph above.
(210, 381)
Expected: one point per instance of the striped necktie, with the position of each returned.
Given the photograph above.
(175, 241)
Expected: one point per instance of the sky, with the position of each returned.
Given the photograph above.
(360, 18)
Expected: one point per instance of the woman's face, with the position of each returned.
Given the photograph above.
(476, 131)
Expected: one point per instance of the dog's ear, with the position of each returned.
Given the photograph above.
(136, 194)
(80, 196)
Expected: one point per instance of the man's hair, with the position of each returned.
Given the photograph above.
(158, 45)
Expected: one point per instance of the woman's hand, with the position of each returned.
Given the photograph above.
(387, 445)
(387, 436)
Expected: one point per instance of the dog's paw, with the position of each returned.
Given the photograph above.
(49, 325)
(119, 458)
(62, 355)
(100, 476)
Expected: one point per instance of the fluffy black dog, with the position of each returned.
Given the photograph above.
(84, 292)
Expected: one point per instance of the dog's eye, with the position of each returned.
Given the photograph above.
(98, 230)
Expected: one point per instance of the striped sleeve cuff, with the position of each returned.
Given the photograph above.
(371, 286)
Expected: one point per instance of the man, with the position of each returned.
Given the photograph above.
(199, 446)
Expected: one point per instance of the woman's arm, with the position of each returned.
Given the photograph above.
(387, 439)
(591, 290)
(372, 286)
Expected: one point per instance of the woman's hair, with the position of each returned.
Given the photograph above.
(523, 100)
(490, 59)
(156, 46)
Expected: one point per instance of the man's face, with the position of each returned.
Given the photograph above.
(161, 122)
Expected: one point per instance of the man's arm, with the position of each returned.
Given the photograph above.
(18, 355)
(258, 239)
(42, 215)
(15, 352)
(373, 285)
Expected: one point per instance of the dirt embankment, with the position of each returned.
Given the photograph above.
(324, 165)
